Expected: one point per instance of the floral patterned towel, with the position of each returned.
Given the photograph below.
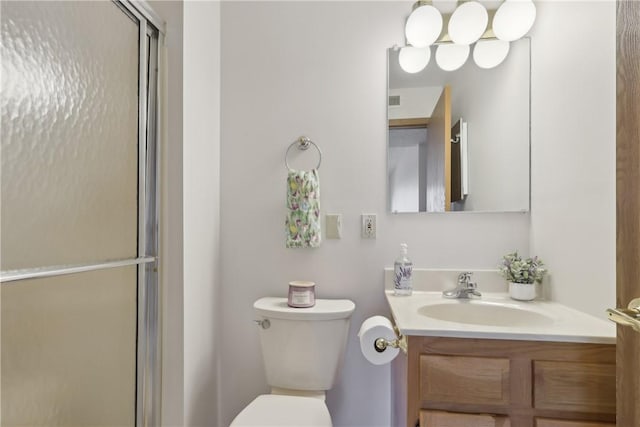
(303, 209)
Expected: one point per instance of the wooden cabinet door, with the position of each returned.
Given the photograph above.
(522, 383)
(574, 386)
(451, 419)
(465, 380)
(540, 422)
(628, 207)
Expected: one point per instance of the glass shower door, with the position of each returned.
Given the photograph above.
(77, 209)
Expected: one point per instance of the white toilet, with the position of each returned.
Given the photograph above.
(302, 350)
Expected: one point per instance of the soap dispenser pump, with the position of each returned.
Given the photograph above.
(403, 270)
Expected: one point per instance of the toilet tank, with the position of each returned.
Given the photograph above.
(303, 348)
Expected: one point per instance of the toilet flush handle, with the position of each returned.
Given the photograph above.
(264, 323)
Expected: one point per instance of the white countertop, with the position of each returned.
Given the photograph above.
(560, 323)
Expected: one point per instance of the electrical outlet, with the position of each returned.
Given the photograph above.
(368, 228)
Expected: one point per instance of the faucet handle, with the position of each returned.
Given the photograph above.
(464, 277)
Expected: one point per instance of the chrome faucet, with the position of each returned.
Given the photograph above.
(465, 289)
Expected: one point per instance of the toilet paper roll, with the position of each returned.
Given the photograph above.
(373, 328)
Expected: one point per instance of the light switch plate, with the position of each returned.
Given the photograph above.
(333, 225)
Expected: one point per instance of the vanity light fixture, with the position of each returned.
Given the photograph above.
(514, 19)
(414, 59)
(423, 26)
(451, 56)
(490, 53)
(467, 22)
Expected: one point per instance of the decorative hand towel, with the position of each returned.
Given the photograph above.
(303, 209)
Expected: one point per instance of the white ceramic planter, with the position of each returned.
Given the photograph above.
(522, 291)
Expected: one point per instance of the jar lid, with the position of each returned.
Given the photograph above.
(302, 284)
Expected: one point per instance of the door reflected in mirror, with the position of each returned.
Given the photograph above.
(459, 140)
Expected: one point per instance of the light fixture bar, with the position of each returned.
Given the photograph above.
(487, 35)
(421, 3)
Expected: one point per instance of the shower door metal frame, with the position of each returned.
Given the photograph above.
(149, 319)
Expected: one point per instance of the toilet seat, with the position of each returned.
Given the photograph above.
(281, 411)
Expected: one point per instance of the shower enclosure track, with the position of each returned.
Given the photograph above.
(60, 270)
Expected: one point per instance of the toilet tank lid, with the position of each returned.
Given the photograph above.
(325, 309)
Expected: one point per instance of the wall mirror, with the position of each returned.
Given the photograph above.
(460, 140)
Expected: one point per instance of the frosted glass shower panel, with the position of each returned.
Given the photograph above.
(69, 133)
(69, 350)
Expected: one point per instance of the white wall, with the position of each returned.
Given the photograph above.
(319, 69)
(573, 151)
(190, 213)
(201, 168)
(171, 236)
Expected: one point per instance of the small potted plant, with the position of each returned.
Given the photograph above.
(522, 274)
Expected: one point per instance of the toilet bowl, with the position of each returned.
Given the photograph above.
(273, 410)
(299, 364)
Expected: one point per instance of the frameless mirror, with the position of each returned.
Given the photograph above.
(459, 140)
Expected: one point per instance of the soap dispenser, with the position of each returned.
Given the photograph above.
(402, 269)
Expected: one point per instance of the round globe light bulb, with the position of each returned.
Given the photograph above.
(468, 23)
(423, 26)
(450, 57)
(490, 53)
(514, 19)
(414, 59)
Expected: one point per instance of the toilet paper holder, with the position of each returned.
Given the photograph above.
(400, 342)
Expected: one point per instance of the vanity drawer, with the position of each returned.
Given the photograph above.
(544, 422)
(464, 380)
(450, 419)
(571, 386)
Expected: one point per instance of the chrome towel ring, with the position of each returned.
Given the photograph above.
(303, 143)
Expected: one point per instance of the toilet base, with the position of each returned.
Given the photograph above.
(274, 410)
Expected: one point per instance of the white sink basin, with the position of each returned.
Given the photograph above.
(492, 316)
(484, 313)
